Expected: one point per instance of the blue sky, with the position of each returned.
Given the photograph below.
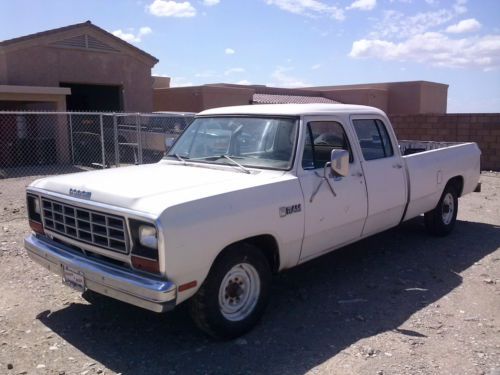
(292, 43)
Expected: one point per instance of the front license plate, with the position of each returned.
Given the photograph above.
(73, 278)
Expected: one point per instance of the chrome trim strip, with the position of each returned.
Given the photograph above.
(86, 247)
(147, 292)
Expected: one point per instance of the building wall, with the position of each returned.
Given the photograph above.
(3, 68)
(484, 129)
(55, 65)
(373, 97)
(182, 99)
(433, 98)
(402, 97)
(214, 97)
(161, 82)
(199, 98)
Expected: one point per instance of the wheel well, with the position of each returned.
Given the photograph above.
(265, 243)
(458, 183)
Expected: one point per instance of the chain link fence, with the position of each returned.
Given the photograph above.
(41, 143)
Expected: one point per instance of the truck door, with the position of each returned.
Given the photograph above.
(332, 218)
(384, 173)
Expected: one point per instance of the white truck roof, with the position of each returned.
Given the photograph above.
(291, 109)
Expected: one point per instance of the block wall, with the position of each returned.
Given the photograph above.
(483, 128)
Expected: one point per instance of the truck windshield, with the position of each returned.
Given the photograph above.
(252, 142)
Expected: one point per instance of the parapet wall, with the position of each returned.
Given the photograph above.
(482, 128)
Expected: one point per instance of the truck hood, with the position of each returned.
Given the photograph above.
(154, 187)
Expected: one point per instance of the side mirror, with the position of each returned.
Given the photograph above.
(169, 143)
(340, 162)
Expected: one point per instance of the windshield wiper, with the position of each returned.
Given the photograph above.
(236, 163)
(180, 158)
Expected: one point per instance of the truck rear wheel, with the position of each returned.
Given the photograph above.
(233, 297)
(441, 220)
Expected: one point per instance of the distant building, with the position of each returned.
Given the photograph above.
(417, 97)
(79, 67)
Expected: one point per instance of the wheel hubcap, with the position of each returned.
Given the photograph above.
(448, 209)
(239, 292)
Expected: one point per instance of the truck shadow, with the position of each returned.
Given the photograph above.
(316, 310)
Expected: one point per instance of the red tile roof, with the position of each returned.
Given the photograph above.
(293, 99)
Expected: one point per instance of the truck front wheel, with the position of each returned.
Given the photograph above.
(441, 220)
(234, 295)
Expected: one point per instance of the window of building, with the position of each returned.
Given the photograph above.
(374, 139)
(323, 137)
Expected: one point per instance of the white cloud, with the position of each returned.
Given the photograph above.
(399, 25)
(396, 24)
(244, 82)
(436, 49)
(310, 8)
(233, 71)
(229, 51)
(316, 66)
(180, 82)
(460, 7)
(363, 4)
(132, 37)
(145, 30)
(283, 79)
(464, 26)
(205, 74)
(168, 8)
(210, 3)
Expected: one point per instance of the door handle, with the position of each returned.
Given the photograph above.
(397, 166)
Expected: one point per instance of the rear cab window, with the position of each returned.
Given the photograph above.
(373, 138)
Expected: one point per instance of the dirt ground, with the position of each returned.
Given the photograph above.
(401, 302)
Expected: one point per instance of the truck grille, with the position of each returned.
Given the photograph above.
(92, 227)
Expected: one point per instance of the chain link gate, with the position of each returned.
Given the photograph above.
(42, 143)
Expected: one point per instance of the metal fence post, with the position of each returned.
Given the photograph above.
(71, 138)
(117, 146)
(102, 142)
(139, 137)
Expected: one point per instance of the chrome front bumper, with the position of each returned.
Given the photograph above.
(147, 292)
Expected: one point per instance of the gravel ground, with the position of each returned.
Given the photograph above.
(401, 302)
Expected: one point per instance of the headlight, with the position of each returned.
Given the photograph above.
(148, 236)
(34, 210)
(34, 213)
(36, 206)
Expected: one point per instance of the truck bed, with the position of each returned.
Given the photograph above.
(409, 147)
(431, 164)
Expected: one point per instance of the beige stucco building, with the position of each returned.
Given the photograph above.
(96, 70)
(79, 67)
(416, 97)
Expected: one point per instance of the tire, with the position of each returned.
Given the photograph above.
(441, 220)
(233, 297)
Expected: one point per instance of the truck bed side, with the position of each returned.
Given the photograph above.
(431, 165)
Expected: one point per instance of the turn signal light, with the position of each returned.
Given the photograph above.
(144, 264)
(36, 227)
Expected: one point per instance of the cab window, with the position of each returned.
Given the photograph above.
(373, 138)
(322, 137)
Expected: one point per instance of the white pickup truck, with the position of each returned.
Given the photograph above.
(243, 193)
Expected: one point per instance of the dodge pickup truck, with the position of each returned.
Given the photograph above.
(244, 192)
